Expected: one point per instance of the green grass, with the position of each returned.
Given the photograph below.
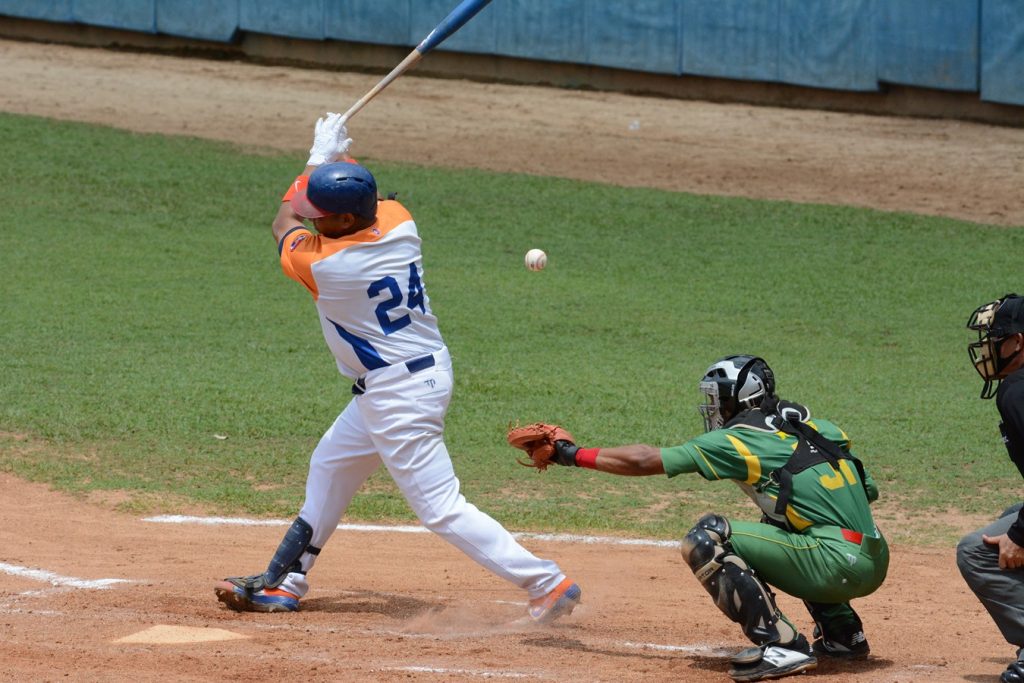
(144, 315)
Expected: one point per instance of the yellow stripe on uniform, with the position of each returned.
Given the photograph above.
(753, 462)
(707, 462)
(797, 522)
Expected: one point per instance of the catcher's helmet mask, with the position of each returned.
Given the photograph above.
(734, 384)
(338, 188)
(994, 322)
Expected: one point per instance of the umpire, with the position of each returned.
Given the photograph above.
(991, 559)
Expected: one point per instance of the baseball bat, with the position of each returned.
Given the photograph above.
(466, 10)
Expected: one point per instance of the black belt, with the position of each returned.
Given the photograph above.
(414, 366)
(418, 364)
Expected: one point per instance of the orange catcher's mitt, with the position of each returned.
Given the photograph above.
(545, 444)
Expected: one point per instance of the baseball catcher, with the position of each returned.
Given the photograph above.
(816, 539)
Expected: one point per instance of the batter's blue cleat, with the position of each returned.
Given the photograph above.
(557, 603)
(248, 594)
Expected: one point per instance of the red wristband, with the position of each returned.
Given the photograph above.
(587, 457)
(297, 186)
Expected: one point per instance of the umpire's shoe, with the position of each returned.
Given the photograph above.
(773, 661)
(849, 644)
(1015, 672)
(248, 594)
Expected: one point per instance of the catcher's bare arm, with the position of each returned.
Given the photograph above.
(550, 444)
(637, 460)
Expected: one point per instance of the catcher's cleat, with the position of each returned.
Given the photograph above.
(557, 603)
(830, 648)
(775, 661)
(238, 594)
(852, 646)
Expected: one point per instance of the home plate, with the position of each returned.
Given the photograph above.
(163, 634)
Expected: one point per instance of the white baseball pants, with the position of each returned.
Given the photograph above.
(399, 421)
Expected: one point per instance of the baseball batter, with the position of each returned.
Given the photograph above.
(816, 539)
(363, 267)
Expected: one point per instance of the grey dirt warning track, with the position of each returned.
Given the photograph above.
(935, 167)
(389, 607)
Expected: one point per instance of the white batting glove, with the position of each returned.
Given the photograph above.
(330, 140)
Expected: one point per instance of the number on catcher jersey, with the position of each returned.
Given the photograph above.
(835, 481)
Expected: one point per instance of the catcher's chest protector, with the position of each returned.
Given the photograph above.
(812, 449)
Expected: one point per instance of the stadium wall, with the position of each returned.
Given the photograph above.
(953, 58)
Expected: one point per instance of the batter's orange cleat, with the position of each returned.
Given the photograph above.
(238, 594)
(557, 603)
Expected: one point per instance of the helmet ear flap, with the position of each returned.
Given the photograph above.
(757, 367)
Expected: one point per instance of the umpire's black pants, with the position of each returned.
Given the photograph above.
(1001, 591)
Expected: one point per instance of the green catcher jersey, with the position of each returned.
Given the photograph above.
(821, 494)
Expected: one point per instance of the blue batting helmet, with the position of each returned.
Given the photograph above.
(336, 188)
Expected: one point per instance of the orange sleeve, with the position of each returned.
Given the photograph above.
(391, 214)
(298, 185)
(300, 249)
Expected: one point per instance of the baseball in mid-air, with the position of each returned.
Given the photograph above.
(536, 259)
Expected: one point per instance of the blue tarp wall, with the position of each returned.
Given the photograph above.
(958, 45)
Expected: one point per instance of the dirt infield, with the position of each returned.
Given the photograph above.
(389, 606)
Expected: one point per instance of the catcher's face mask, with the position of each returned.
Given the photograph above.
(994, 322)
(711, 410)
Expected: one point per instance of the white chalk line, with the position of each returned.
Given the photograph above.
(713, 651)
(708, 650)
(409, 529)
(34, 612)
(704, 650)
(479, 673)
(58, 580)
(59, 584)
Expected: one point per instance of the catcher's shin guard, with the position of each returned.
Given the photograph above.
(732, 584)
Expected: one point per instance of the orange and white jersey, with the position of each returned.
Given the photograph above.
(368, 289)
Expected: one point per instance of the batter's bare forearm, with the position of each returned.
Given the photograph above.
(286, 219)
